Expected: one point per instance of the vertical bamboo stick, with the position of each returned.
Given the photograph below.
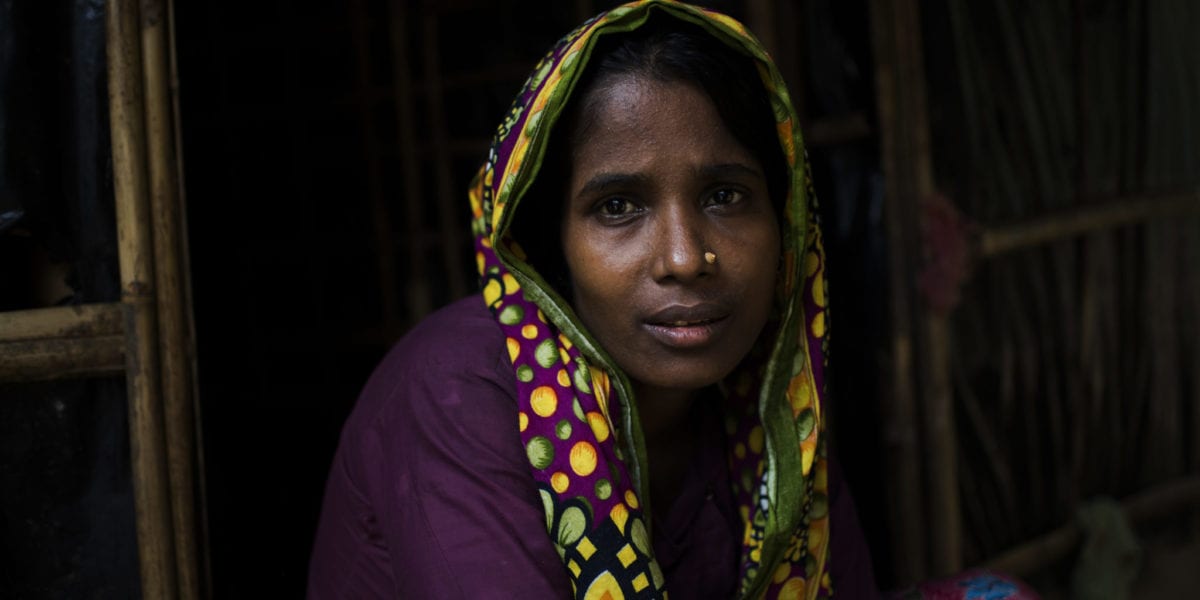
(1163, 450)
(945, 541)
(201, 511)
(156, 550)
(790, 55)
(942, 448)
(420, 299)
(172, 324)
(381, 218)
(453, 264)
(1190, 255)
(898, 411)
(760, 15)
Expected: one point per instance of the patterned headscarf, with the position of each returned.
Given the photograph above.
(577, 416)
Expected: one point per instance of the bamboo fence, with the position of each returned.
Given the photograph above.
(381, 219)
(149, 334)
(62, 343)
(151, 488)
(444, 186)
(906, 164)
(1072, 355)
(174, 327)
(420, 297)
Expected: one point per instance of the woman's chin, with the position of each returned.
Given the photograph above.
(674, 380)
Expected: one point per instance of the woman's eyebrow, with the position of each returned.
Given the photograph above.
(728, 170)
(609, 181)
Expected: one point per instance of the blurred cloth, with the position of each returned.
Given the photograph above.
(1110, 556)
(976, 584)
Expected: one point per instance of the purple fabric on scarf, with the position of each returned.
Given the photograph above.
(429, 495)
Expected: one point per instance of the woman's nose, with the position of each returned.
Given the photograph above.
(679, 247)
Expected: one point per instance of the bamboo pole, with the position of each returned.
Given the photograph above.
(156, 549)
(61, 343)
(509, 72)
(944, 506)
(1177, 496)
(832, 131)
(998, 240)
(1163, 448)
(900, 199)
(173, 329)
(62, 358)
(790, 54)
(381, 218)
(420, 298)
(945, 543)
(1189, 257)
(760, 16)
(189, 314)
(88, 320)
(448, 222)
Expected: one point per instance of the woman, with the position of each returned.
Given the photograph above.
(635, 406)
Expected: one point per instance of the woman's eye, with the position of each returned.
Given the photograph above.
(724, 197)
(616, 207)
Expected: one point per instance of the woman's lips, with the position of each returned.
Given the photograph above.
(686, 327)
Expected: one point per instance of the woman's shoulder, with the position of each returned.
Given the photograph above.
(461, 333)
(454, 355)
(429, 467)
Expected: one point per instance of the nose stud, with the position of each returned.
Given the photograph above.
(710, 258)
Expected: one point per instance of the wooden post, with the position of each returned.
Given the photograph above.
(62, 343)
(943, 505)
(381, 218)
(156, 548)
(1189, 257)
(900, 85)
(173, 339)
(447, 199)
(790, 54)
(88, 320)
(760, 16)
(945, 508)
(201, 511)
(898, 410)
(420, 298)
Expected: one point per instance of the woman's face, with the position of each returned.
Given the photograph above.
(657, 181)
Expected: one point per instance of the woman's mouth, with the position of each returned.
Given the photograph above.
(686, 323)
(685, 327)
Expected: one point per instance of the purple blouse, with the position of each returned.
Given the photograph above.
(430, 494)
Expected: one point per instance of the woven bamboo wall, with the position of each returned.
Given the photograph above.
(1074, 363)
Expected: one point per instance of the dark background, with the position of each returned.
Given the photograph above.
(319, 233)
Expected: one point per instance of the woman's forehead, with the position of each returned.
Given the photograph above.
(649, 132)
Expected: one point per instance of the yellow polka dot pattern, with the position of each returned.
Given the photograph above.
(544, 401)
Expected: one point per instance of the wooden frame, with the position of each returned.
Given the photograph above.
(62, 343)
(148, 335)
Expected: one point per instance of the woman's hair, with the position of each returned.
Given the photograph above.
(668, 50)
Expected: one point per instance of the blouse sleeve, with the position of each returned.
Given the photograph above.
(850, 561)
(431, 496)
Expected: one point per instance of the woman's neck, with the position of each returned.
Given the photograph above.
(662, 412)
(670, 440)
